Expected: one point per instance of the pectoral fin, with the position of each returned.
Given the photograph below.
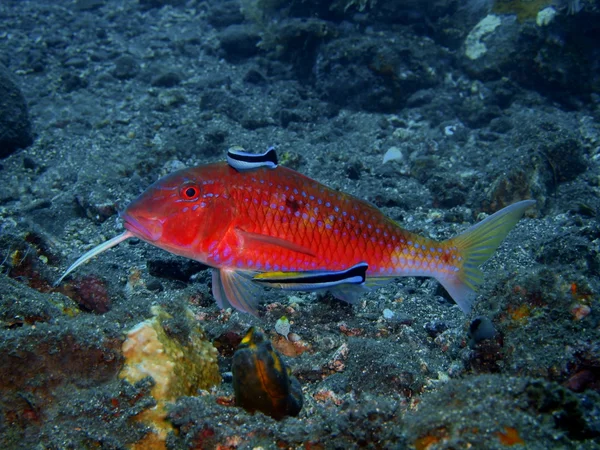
(314, 280)
(235, 289)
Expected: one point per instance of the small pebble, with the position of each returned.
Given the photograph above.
(388, 314)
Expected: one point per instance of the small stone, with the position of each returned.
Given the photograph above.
(388, 314)
(435, 328)
(580, 311)
(126, 67)
(253, 76)
(239, 41)
(15, 127)
(166, 79)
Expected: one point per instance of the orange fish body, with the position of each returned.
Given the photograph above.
(277, 227)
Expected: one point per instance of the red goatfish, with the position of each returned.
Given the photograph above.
(258, 224)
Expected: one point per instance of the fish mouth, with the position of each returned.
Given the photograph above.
(144, 228)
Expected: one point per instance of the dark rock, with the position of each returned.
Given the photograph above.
(215, 137)
(297, 41)
(126, 67)
(435, 328)
(95, 206)
(491, 47)
(558, 60)
(500, 125)
(566, 155)
(420, 98)
(36, 60)
(416, 13)
(391, 374)
(15, 127)
(227, 342)
(29, 163)
(252, 122)
(147, 4)
(71, 82)
(154, 286)
(379, 73)
(91, 294)
(286, 116)
(166, 79)
(447, 190)
(254, 76)
(563, 63)
(88, 5)
(239, 41)
(223, 14)
(56, 42)
(221, 101)
(354, 170)
(477, 112)
(169, 100)
(174, 269)
(530, 409)
(76, 62)
(552, 154)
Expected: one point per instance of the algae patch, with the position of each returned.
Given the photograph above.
(178, 369)
(474, 45)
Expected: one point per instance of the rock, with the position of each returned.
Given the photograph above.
(147, 4)
(254, 76)
(223, 14)
(239, 41)
(489, 49)
(126, 67)
(297, 41)
(15, 127)
(166, 79)
(88, 5)
(178, 366)
(71, 82)
(379, 73)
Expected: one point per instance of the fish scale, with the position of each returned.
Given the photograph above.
(304, 226)
(272, 226)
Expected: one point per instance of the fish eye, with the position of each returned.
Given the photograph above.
(189, 192)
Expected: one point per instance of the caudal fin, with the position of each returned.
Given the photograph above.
(476, 245)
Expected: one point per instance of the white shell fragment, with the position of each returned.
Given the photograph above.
(388, 314)
(393, 154)
(282, 326)
(545, 16)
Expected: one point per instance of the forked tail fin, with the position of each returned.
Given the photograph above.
(476, 245)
